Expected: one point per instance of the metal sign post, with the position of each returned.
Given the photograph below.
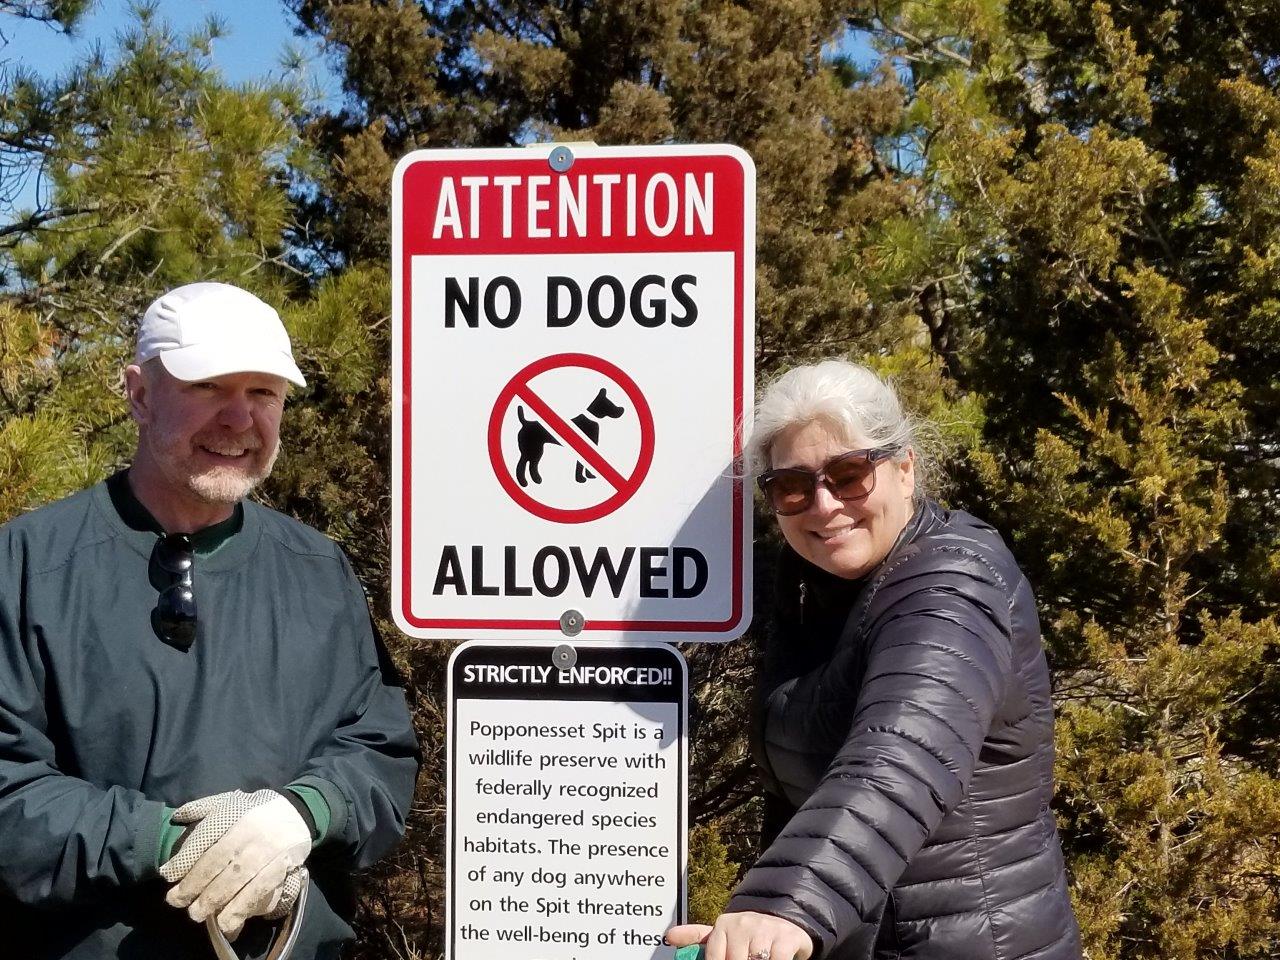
(572, 365)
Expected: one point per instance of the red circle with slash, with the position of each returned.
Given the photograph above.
(624, 486)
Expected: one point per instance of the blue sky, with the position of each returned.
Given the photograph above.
(257, 33)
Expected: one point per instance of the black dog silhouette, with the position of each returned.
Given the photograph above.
(533, 437)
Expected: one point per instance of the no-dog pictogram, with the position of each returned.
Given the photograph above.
(594, 403)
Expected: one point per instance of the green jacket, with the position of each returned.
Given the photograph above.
(103, 725)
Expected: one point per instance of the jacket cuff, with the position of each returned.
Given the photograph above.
(312, 807)
(785, 909)
(170, 834)
(328, 806)
(150, 819)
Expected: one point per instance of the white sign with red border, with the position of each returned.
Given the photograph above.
(572, 362)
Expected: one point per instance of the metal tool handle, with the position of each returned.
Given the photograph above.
(285, 937)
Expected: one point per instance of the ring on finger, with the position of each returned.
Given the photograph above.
(758, 955)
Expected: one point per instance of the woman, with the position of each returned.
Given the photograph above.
(907, 730)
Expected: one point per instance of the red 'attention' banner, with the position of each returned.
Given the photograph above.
(522, 206)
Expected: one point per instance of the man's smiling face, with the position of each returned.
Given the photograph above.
(213, 439)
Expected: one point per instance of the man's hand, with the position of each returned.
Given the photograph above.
(746, 936)
(206, 820)
(248, 871)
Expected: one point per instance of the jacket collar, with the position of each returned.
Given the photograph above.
(926, 517)
(825, 590)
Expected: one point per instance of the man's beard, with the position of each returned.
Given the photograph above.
(229, 484)
(216, 484)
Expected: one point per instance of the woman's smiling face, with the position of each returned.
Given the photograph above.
(845, 537)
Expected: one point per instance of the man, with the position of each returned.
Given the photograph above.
(165, 643)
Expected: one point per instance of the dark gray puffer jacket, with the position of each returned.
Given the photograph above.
(906, 720)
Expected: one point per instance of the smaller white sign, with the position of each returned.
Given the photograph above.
(567, 802)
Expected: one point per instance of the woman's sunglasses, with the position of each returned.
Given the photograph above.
(850, 476)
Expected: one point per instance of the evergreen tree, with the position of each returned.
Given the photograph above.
(443, 74)
(60, 13)
(766, 77)
(1103, 193)
(157, 173)
(1055, 224)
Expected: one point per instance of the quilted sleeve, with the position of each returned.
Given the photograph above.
(939, 661)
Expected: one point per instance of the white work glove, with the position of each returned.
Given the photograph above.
(242, 860)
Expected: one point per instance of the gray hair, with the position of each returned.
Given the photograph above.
(854, 402)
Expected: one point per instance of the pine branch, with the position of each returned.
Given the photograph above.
(929, 45)
(35, 221)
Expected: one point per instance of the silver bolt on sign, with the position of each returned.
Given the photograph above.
(571, 623)
(561, 159)
(564, 656)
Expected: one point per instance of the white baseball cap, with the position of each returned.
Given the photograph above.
(205, 330)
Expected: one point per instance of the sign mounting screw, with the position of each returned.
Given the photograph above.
(571, 623)
(561, 159)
